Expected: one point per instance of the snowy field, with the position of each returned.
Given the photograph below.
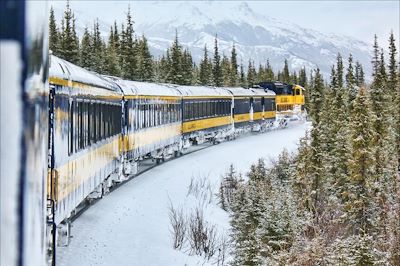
(130, 226)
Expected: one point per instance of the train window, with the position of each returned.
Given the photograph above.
(71, 126)
(195, 110)
(80, 125)
(214, 104)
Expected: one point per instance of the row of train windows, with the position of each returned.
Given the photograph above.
(203, 109)
(92, 122)
(151, 115)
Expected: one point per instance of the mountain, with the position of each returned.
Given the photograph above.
(255, 35)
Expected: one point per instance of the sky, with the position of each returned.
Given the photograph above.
(359, 19)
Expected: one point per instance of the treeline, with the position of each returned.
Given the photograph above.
(125, 55)
(337, 200)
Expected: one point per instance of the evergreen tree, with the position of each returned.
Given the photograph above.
(54, 36)
(175, 64)
(251, 74)
(69, 49)
(270, 76)
(285, 73)
(316, 105)
(350, 80)
(375, 58)
(116, 40)
(205, 69)
(86, 50)
(339, 70)
(226, 71)
(128, 55)
(361, 176)
(242, 77)
(233, 80)
(98, 49)
(111, 62)
(261, 74)
(144, 71)
(187, 68)
(393, 65)
(217, 70)
(293, 78)
(303, 77)
(359, 74)
(334, 83)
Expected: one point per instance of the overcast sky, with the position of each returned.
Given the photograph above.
(359, 19)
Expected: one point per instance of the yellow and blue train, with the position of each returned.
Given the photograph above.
(101, 127)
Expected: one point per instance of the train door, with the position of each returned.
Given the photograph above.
(51, 183)
(251, 109)
(263, 107)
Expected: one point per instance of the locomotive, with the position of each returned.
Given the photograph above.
(289, 97)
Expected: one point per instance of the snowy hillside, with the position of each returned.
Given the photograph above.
(130, 226)
(255, 33)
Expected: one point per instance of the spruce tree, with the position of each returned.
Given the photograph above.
(187, 68)
(350, 80)
(393, 74)
(303, 77)
(285, 73)
(54, 36)
(339, 70)
(217, 70)
(234, 68)
(128, 55)
(270, 76)
(205, 69)
(261, 73)
(111, 66)
(144, 71)
(375, 58)
(226, 71)
(68, 47)
(316, 105)
(242, 77)
(98, 49)
(360, 205)
(175, 71)
(86, 50)
(334, 83)
(251, 74)
(359, 74)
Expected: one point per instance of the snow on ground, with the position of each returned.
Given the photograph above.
(130, 226)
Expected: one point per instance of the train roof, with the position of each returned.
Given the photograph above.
(65, 70)
(145, 88)
(198, 91)
(252, 92)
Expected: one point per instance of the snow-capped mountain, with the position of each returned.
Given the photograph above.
(256, 35)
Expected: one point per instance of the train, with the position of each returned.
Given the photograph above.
(68, 135)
